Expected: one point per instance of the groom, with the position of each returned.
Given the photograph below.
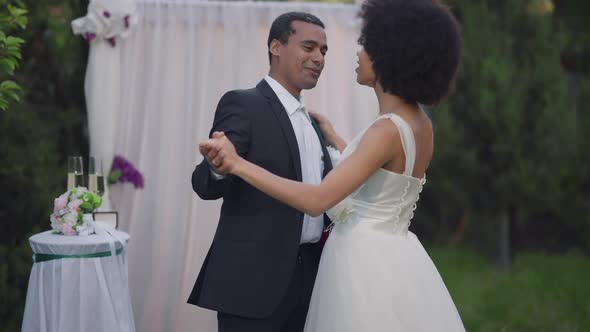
(260, 270)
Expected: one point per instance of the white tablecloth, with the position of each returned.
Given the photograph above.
(89, 294)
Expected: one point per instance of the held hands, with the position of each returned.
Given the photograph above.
(220, 153)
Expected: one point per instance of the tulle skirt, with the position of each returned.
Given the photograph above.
(373, 279)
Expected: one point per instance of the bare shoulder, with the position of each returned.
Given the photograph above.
(384, 128)
(383, 134)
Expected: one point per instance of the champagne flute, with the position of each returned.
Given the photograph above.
(96, 180)
(75, 172)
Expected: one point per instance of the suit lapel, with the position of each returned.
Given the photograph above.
(327, 168)
(325, 155)
(283, 119)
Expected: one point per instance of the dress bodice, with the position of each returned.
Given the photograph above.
(385, 196)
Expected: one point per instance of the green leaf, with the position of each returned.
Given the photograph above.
(22, 22)
(8, 65)
(86, 207)
(15, 11)
(14, 41)
(13, 96)
(114, 176)
(9, 85)
(3, 104)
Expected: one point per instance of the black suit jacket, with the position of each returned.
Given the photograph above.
(252, 258)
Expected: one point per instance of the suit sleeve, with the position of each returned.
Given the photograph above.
(231, 118)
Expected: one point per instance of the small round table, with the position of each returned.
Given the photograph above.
(76, 284)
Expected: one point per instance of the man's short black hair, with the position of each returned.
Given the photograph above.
(415, 47)
(281, 27)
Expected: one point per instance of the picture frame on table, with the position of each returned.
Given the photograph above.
(110, 218)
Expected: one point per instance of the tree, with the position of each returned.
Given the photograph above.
(12, 18)
(506, 141)
(35, 140)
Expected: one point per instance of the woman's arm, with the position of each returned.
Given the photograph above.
(380, 144)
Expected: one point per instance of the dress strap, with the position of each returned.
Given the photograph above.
(408, 141)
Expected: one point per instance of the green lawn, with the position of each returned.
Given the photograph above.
(541, 293)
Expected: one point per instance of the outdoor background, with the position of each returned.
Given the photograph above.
(506, 211)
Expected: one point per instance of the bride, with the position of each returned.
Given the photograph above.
(374, 274)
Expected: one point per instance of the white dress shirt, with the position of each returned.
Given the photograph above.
(310, 153)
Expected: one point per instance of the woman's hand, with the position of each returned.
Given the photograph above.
(224, 159)
(324, 123)
(332, 138)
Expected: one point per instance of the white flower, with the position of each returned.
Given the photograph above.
(71, 218)
(335, 155)
(55, 222)
(84, 229)
(340, 212)
(87, 225)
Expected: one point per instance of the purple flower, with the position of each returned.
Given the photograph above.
(126, 21)
(89, 36)
(106, 14)
(124, 171)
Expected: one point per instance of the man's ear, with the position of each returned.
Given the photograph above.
(275, 47)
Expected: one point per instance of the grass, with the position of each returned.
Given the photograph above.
(541, 293)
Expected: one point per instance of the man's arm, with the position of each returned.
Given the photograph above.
(231, 118)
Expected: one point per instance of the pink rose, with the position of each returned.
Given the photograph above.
(61, 202)
(75, 204)
(68, 230)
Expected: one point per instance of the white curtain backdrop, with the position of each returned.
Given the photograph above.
(157, 103)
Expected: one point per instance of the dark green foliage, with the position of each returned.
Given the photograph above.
(12, 19)
(35, 138)
(510, 141)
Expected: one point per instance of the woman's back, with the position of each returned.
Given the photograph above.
(387, 195)
(421, 128)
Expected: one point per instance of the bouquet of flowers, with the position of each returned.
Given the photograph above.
(69, 211)
(124, 171)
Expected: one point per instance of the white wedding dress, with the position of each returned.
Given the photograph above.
(374, 274)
